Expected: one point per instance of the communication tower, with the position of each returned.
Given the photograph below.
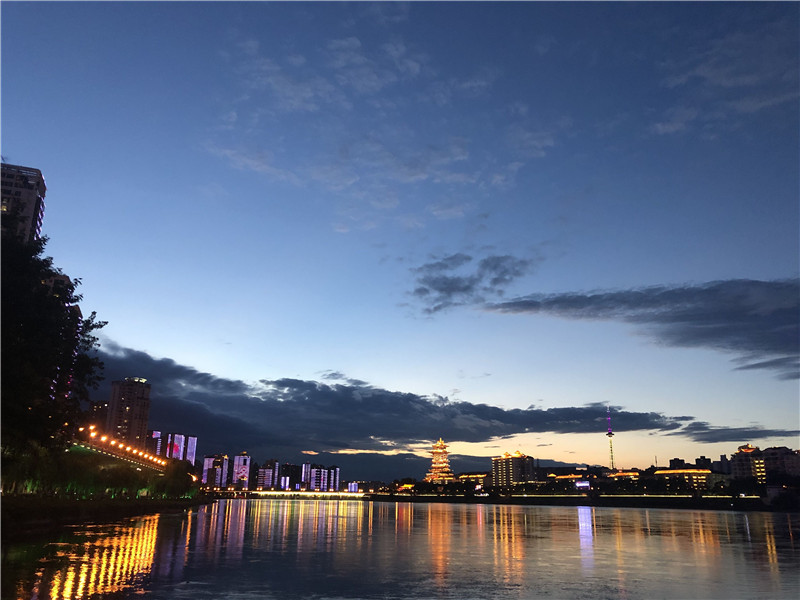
(610, 435)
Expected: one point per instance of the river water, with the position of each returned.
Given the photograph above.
(325, 549)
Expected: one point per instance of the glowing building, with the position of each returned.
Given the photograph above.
(749, 462)
(241, 471)
(215, 471)
(511, 469)
(696, 479)
(128, 410)
(440, 465)
(172, 445)
(268, 476)
(323, 479)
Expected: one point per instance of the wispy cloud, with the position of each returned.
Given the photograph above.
(755, 320)
(355, 70)
(675, 120)
(745, 71)
(259, 161)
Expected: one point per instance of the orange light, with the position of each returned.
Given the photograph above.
(128, 448)
(93, 434)
(104, 438)
(113, 442)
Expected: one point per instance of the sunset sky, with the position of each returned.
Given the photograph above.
(348, 229)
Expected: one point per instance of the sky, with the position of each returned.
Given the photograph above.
(336, 232)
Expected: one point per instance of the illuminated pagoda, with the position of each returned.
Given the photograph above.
(440, 465)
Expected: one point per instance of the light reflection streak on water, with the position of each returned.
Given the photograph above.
(98, 566)
(435, 546)
(586, 533)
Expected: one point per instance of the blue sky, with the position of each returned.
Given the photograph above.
(474, 213)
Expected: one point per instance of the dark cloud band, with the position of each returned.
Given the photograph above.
(759, 321)
(283, 417)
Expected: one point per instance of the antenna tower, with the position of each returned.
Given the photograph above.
(610, 435)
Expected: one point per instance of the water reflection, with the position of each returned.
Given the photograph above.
(318, 548)
(105, 562)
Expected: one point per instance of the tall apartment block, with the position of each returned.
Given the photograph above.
(215, 471)
(749, 462)
(172, 445)
(511, 469)
(241, 471)
(128, 410)
(22, 208)
(323, 479)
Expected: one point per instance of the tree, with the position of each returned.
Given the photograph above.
(49, 360)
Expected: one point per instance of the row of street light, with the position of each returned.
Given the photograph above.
(125, 450)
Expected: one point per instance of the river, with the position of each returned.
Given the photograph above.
(325, 549)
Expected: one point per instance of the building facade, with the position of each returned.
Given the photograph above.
(172, 445)
(215, 471)
(781, 461)
(748, 462)
(512, 469)
(696, 479)
(323, 479)
(129, 410)
(22, 208)
(241, 472)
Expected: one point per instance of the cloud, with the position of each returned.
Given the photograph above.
(740, 59)
(353, 69)
(443, 283)
(259, 161)
(750, 69)
(700, 431)
(344, 422)
(676, 120)
(756, 320)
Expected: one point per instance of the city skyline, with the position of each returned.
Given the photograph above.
(347, 230)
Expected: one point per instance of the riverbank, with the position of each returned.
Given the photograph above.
(22, 516)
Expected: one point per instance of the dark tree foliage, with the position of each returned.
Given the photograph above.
(49, 360)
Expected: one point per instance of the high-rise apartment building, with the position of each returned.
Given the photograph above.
(241, 471)
(128, 410)
(323, 479)
(22, 208)
(268, 475)
(172, 445)
(512, 469)
(748, 462)
(215, 471)
(780, 460)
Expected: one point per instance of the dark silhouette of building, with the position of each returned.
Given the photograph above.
(128, 410)
(22, 208)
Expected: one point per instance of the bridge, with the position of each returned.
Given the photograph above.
(91, 439)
